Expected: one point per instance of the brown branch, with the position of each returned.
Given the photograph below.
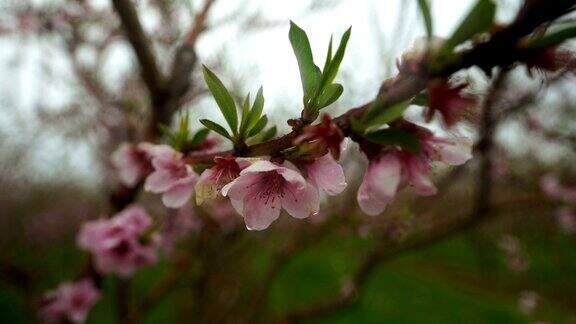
(150, 69)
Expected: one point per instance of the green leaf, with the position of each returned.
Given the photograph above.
(328, 56)
(377, 114)
(269, 134)
(309, 72)
(256, 110)
(330, 94)
(245, 113)
(479, 19)
(259, 126)
(394, 136)
(553, 38)
(426, 15)
(223, 99)
(215, 127)
(328, 75)
(200, 136)
(420, 99)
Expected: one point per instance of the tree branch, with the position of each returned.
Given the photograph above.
(149, 67)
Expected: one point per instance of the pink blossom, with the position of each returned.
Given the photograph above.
(263, 188)
(566, 219)
(394, 169)
(133, 162)
(212, 180)
(449, 101)
(326, 173)
(70, 301)
(118, 244)
(177, 225)
(551, 186)
(172, 177)
(380, 184)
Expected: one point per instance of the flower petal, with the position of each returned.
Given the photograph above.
(380, 184)
(158, 182)
(260, 211)
(178, 195)
(327, 174)
(417, 172)
(301, 202)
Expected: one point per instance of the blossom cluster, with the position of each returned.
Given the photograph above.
(564, 194)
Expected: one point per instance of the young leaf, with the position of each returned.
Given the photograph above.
(269, 134)
(328, 56)
(379, 115)
(223, 99)
(259, 126)
(553, 38)
(420, 99)
(309, 72)
(329, 74)
(200, 136)
(479, 19)
(245, 114)
(215, 127)
(394, 136)
(256, 110)
(427, 16)
(330, 94)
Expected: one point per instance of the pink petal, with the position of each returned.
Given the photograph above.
(327, 174)
(238, 188)
(380, 184)
(456, 152)
(178, 195)
(260, 211)
(417, 169)
(260, 166)
(159, 181)
(301, 202)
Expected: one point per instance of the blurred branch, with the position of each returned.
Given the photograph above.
(149, 66)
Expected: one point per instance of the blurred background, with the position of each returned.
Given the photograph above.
(71, 92)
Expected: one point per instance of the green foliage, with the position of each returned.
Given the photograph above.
(478, 20)
(223, 99)
(319, 91)
(379, 114)
(181, 139)
(427, 16)
(215, 127)
(394, 136)
(251, 120)
(554, 37)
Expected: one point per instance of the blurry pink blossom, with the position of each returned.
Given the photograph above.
(133, 162)
(380, 184)
(326, 173)
(263, 188)
(566, 218)
(172, 177)
(448, 100)
(177, 225)
(118, 244)
(394, 169)
(69, 302)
